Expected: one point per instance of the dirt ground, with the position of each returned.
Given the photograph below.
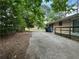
(14, 46)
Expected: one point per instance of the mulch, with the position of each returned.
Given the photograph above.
(14, 46)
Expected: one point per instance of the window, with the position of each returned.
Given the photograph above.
(60, 23)
(76, 26)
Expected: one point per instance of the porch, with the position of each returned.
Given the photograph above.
(68, 32)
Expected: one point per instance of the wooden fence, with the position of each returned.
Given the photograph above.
(66, 30)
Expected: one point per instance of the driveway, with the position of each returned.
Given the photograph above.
(50, 46)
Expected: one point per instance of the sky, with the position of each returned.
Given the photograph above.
(47, 4)
(70, 2)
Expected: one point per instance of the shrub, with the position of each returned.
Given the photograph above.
(8, 23)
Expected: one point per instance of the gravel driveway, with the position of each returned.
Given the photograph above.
(49, 46)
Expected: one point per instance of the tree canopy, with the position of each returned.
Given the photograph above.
(62, 6)
(15, 15)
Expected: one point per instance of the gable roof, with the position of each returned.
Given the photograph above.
(66, 18)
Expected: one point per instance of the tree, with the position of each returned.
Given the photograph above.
(8, 22)
(35, 12)
(62, 6)
(53, 16)
(13, 13)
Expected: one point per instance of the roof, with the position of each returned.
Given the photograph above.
(66, 18)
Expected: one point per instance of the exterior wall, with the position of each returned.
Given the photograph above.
(71, 21)
(56, 25)
(66, 23)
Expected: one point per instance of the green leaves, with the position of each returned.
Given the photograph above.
(7, 19)
(15, 15)
(34, 12)
(59, 5)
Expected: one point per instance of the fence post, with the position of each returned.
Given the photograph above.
(55, 30)
(69, 32)
(60, 30)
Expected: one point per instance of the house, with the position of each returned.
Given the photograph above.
(68, 25)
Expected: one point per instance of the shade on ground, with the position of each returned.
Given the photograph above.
(50, 46)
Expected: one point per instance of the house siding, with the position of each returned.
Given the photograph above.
(66, 23)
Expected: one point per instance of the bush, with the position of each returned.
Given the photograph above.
(8, 23)
(10, 19)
